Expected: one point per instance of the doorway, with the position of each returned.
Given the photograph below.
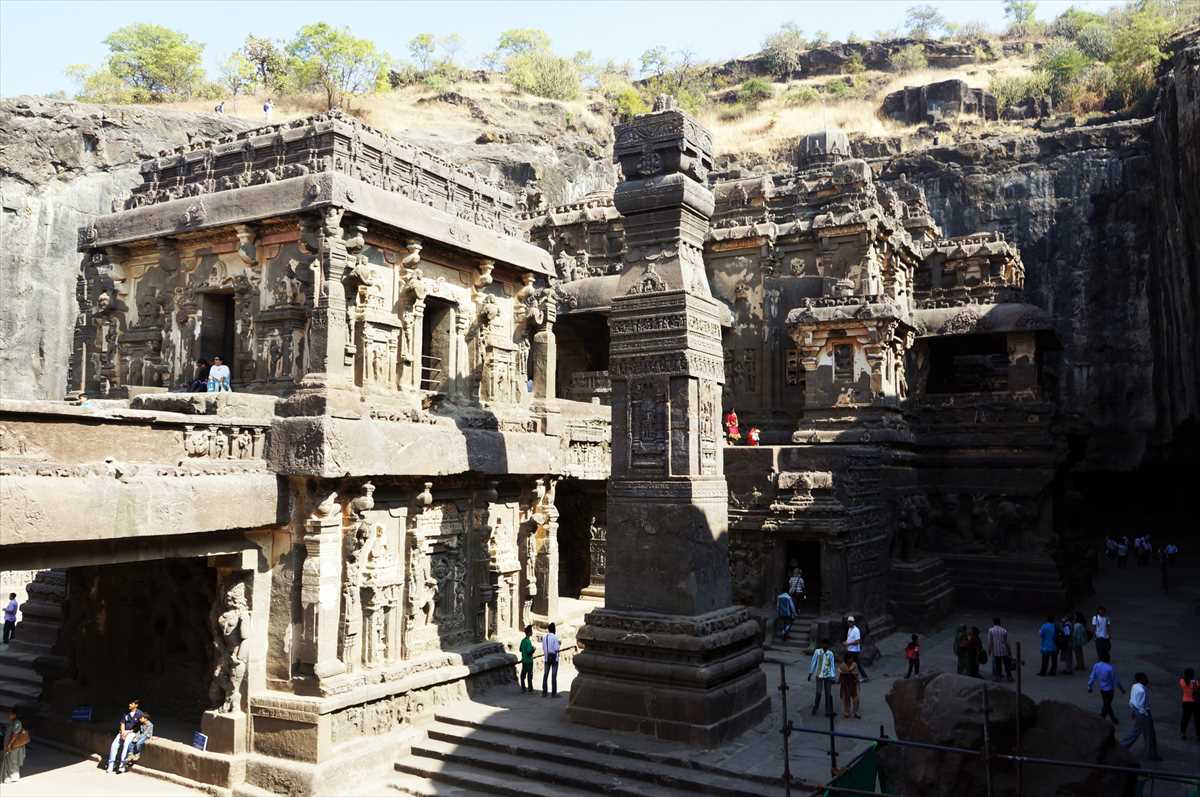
(217, 328)
(807, 556)
(437, 327)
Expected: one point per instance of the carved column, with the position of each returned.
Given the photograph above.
(327, 330)
(458, 368)
(669, 655)
(545, 352)
(320, 588)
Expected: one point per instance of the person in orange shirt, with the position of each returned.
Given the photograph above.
(1190, 688)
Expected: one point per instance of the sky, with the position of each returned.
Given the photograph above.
(40, 38)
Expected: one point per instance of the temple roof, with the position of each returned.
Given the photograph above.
(981, 319)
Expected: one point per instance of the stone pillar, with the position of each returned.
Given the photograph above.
(551, 552)
(597, 557)
(460, 373)
(669, 655)
(327, 330)
(320, 590)
(545, 353)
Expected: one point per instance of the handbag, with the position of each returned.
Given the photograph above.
(20, 739)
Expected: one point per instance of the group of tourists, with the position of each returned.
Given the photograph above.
(848, 673)
(733, 432)
(214, 378)
(133, 731)
(551, 645)
(266, 108)
(1062, 640)
(787, 603)
(1117, 549)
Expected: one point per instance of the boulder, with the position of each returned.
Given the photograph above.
(947, 709)
(934, 102)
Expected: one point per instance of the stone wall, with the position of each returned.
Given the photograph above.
(61, 165)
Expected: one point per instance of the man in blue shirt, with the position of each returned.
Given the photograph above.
(131, 723)
(785, 611)
(1107, 679)
(1048, 647)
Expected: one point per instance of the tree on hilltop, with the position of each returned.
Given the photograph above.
(924, 21)
(155, 61)
(783, 48)
(336, 62)
(269, 61)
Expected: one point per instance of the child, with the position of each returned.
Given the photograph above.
(133, 750)
(527, 660)
(912, 652)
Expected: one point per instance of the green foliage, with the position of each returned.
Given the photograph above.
(1138, 50)
(336, 62)
(853, 38)
(237, 74)
(1096, 40)
(801, 95)
(1014, 90)
(1022, 18)
(838, 89)
(974, 29)
(269, 61)
(676, 74)
(209, 90)
(754, 91)
(910, 59)
(518, 41)
(421, 47)
(820, 38)
(1064, 64)
(783, 49)
(544, 74)
(1069, 23)
(155, 62)
(854, 65)
(102, 86)
(628, 104)
(924, 21)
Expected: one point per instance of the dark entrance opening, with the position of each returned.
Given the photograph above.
(580, 504)
(806, 555)
(968, 364)
(217, 328)
(582, 357)
(436, 329)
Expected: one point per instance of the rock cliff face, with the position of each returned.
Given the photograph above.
(1107, 219)
(61, 164)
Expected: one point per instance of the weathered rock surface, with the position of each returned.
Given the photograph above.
(947, 709)
(61, 165)
(1107, 219)
(934, 102)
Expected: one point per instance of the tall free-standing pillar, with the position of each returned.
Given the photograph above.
(669, 655)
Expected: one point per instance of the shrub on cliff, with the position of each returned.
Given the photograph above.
(754, 91)
(783, 48)
(910, 59)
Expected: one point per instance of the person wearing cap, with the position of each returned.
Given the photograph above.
(854, 645)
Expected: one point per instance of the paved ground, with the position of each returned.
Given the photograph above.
(49, 772)
(1157, 634)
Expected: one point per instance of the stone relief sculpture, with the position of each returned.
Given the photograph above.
(422, 586)
(230, 629)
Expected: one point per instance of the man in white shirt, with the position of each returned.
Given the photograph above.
(1143, 721)
(550, 648)
(1102, 628)
(854, 645)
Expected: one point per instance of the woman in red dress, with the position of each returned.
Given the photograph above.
(732, 434)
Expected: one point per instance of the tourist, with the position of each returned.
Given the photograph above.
(960, 650)
(1062, 641)
(785, 614)
(1105, 676)
(133, 750)
(1189, 687)
(997, 648)
(854, 647)
(267, 110)
(1172, 552)
(796, 586)
(753, 436)
(732, 433)
(15, 741)
(218, 376)
(848, 673)
(1143, 720)
(1078, 639)
(975, 652)
(1102, 628)
(130, 722)
(200, 383)
(824, 666)
(1110, 548)
(527, 660)
(1123, 553)
(220, 107)
(1049, 649)
(912, 652)
(550, 648)
(10, 617)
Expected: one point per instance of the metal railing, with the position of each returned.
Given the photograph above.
(989, 757)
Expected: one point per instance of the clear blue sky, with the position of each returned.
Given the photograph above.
(39, 39)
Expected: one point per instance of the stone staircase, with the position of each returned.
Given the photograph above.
(795, 648)
(24, 659)
(474, 758)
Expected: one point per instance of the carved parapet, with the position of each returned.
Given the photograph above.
(661, 143)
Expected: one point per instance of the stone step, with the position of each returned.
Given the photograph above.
(529, 766)
(497, 724)
(472, 779)
(12, 674)
(660, 773)
(418, 786)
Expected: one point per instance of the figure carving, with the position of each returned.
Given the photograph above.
(230, 629)
(422, 586)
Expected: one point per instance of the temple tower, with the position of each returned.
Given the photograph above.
(669, 655)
